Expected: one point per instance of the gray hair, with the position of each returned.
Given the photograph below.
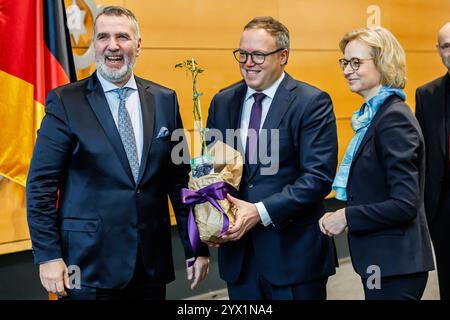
(119, 11)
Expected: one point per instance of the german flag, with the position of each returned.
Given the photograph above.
(35, 57)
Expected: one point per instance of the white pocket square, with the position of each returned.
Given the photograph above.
(163, 132)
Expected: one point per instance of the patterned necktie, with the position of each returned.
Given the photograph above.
(126, 132)
(254, 125)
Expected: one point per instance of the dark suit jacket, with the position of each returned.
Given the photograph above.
(430, 111)
(385, 211)
(292, 250)
(103, 214)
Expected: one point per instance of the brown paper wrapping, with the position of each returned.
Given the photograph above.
(228, 166)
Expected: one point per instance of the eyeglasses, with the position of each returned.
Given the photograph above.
(355, 63)
(257, 57)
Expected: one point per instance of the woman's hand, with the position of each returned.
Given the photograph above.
(333, 223)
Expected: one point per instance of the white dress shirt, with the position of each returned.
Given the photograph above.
(245, 119)
(133, 105)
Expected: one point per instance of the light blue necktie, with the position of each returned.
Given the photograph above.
(126, 132)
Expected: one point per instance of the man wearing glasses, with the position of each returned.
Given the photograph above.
(275, 249)
(433, 113)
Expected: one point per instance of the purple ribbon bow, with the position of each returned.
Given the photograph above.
(211, 193)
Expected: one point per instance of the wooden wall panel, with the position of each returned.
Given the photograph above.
(196, 23)
(422, 67)
(220, 68)
(416, 22)
(13, 222)
(320, 24)
(321, 69)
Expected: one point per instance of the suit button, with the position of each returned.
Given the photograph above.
(250, 186)
(350, 198)
(138, 191)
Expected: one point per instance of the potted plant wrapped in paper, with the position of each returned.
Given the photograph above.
(214, 174)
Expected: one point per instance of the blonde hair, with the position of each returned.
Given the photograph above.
(387, 53)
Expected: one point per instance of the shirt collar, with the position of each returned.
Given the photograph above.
(270, 91)
(109, 86)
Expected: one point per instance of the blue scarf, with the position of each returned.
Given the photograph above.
(361, 121)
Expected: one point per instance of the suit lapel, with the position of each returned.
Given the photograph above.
(97, 100)
(441, 114)
(367, 136)
(236, 103)
(235, 114)
(280, 104)
(372, 126)
(148, 119)
(278, 108)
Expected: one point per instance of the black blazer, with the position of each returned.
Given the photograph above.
(430, 111)
(293, 250)
(385, 211)
(103, 214)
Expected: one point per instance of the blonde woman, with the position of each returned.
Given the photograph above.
(381, 177)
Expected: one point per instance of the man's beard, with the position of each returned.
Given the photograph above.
(112, 74)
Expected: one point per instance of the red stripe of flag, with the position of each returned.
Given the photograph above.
(24, 52)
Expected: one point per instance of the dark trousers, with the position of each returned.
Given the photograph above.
(440, 236)
(401, 287)
(139, 288)
(251, 285)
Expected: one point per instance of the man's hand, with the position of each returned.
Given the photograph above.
(322, 228)
(55, 277)
(247, 218)
(198, 271)
(333, 223)
(212, 244)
